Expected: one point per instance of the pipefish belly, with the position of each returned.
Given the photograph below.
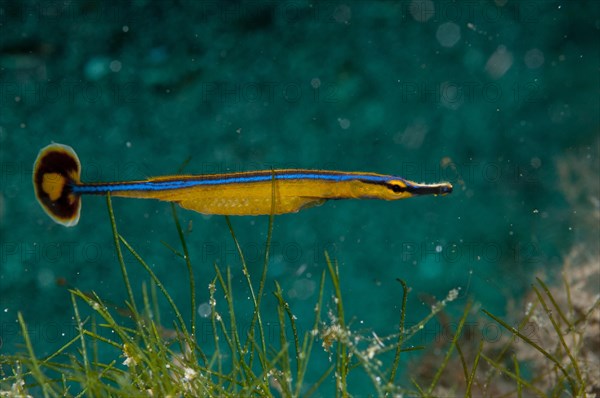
(58, 188)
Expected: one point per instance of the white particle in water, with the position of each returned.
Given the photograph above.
(452, 295)
(189, 374)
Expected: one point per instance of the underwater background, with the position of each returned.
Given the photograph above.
(500, 98)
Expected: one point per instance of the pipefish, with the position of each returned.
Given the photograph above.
(58, 188)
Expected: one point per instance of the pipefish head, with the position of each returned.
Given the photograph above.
(399, 188)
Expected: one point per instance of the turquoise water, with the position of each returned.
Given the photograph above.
(491, 96)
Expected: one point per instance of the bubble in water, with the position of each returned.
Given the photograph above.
(344, 123)
(499, 62)
(421, 10)
(204, 310)
(448, 34)
(534, 58)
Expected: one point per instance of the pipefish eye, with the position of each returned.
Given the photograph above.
(396, 186)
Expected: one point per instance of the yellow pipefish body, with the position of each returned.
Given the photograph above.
(58, 188)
